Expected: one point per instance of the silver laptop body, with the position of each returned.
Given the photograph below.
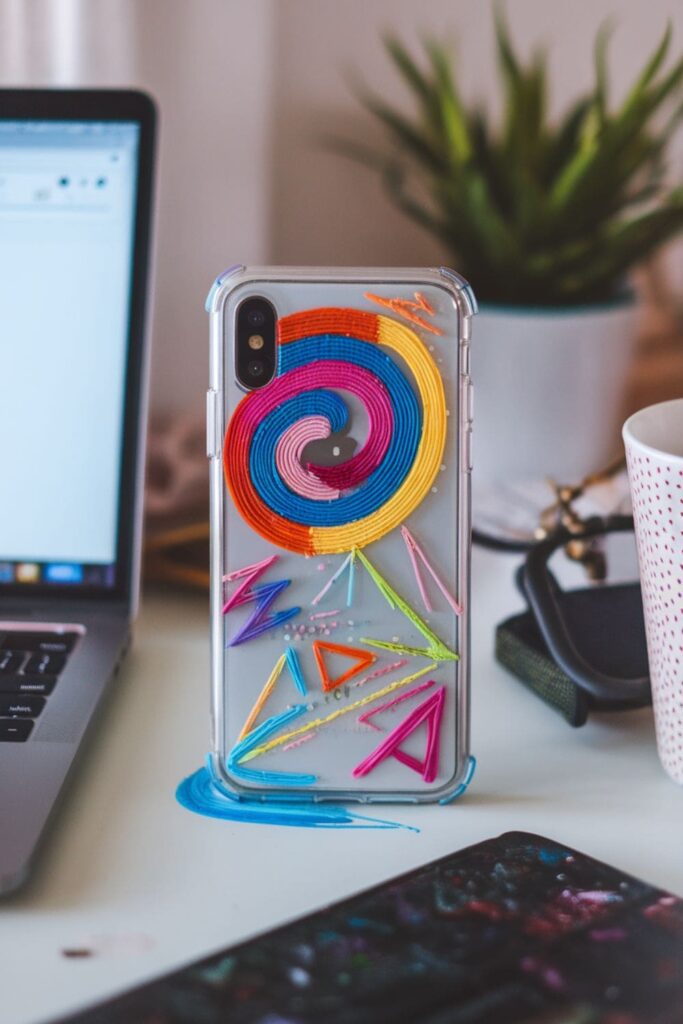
(76, 172)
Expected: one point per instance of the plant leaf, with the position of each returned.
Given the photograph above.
(404, 132)
(533, 212)
(650, 70)
(600, 61)
(453, 119)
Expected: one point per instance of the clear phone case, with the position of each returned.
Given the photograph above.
(340, 538)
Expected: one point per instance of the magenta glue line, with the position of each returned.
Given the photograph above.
(415, 552)
(367, 715)
(249, 574)
(431, 712)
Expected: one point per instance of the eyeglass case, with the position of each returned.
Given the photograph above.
(579, 650)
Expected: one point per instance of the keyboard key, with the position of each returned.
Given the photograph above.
(15, 730)
(10, 661)
(25, 707)
(42, 686)
(45, 664)
(55, 643)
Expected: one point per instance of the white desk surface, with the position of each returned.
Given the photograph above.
(128, 872)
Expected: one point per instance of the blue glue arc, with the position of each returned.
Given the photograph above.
(200, 794)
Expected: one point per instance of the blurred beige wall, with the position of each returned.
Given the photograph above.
(247, 88)
(329, 210)
(209, 64)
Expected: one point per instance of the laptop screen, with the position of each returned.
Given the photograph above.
(67, 223)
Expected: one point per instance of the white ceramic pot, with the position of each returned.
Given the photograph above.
(549, 388)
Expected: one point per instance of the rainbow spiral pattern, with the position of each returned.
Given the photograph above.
(312, 509)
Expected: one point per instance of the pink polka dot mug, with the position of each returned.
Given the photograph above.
(653, 438)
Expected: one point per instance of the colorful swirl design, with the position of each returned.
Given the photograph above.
(314, 509)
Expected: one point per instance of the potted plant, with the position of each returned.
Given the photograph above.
(546, 220)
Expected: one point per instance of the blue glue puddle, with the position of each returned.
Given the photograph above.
(200, 794)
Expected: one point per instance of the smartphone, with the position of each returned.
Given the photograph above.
(339, 432)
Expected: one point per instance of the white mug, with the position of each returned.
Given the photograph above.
(653, 439)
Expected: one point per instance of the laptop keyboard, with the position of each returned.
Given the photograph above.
(30, 665)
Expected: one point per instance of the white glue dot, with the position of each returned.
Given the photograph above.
(395, 639)
(350, 639)
(336, 450)
(435, 490)
(443, 468)
(287, 636)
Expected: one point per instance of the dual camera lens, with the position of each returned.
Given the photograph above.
(255, 348)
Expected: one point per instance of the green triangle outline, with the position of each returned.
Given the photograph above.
(437, 649)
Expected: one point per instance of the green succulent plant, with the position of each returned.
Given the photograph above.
(533, 212)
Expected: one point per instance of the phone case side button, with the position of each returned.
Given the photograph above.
(211, 423)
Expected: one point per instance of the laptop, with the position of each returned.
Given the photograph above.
(75, 202)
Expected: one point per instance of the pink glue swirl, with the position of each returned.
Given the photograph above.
(288, 454)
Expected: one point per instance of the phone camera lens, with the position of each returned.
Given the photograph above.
(256, 317)
(256, 342)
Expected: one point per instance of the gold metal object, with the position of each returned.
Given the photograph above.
(562, 514)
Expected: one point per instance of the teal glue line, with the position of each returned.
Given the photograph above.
(295, 670)
(352, 573)
(270, 725)
(255, 737)
(272, 778)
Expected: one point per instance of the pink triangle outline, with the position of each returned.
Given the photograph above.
(431, 711)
